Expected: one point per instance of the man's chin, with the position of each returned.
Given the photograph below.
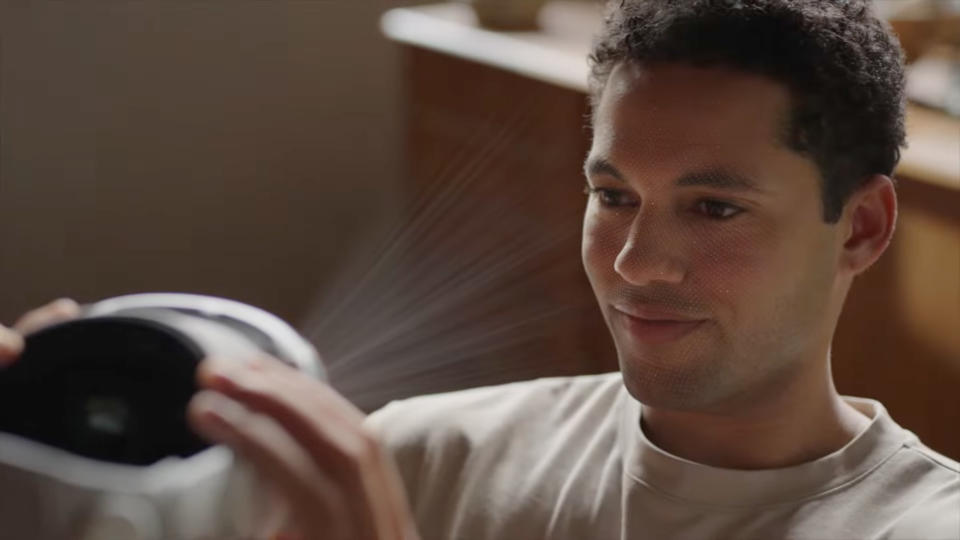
(666, 381)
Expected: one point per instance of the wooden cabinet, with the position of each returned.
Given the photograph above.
(495, 161)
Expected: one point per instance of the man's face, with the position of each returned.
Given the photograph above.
(703, 237)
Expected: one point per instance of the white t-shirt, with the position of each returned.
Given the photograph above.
(565, 459)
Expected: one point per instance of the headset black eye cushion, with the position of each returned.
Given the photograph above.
(109, 388)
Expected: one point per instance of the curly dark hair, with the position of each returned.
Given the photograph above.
(841, 63)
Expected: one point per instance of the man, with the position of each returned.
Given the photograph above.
(739, 180)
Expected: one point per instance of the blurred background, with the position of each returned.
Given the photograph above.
(401, 181)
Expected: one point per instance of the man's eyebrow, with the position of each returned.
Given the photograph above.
(716, 178)
(600, 166)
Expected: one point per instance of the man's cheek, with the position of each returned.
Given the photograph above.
(599, 248)
(594, 265)
(726, 279)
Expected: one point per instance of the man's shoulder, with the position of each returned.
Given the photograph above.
(477, 438)
(925, 485)
(938, 461)
(477, 414)
(936, 513)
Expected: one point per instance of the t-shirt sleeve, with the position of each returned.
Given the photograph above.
(388, 425)
(937, 517)
(445, 447)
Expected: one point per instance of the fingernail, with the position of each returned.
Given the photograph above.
(215, 415)
(212, 427)
(218, 371)
(67, 305)
(255, 362)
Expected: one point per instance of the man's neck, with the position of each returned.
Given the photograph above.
(800, 424)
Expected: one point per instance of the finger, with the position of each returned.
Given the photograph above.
(307, 410)
(329, 427)
(400, 519)
(57, 311)
(11, 345)
(251, 380)
(312, 497)
(325, 396)
(321, 395)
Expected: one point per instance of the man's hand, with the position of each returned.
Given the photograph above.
(309, 441)
(298, 432)
(11, 339)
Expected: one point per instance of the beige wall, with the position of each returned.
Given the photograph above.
(229, 147)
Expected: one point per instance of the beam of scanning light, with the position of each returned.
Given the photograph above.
(433, 208)
(444, 289)
(443, 301)
(454, 350)
(467, 348)
(450, 332)
(438, 274)
(456, 292)
(444, 284)
(414, 285)
(432, 205)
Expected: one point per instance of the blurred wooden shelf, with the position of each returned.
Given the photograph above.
(556, 54)
(933, 151)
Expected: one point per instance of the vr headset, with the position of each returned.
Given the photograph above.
(94, 441)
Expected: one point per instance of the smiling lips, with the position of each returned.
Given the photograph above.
(652, 326)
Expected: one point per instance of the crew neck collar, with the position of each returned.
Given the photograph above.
(680, 478)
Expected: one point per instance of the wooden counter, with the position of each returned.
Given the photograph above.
(516, 102)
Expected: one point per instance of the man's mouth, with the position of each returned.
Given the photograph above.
(653, 326)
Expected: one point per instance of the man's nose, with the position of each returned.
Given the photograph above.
(649, 254)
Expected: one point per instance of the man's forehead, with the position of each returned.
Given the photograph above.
(702, 84)
(665, 152)
(677, 106)
(676, 122)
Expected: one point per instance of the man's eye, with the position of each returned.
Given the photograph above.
(718, 210)
(611, 198)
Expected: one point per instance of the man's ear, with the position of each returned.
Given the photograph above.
(870, 217)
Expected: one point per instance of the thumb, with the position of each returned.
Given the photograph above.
(11, 344)
(11, 339)
(57, 311)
